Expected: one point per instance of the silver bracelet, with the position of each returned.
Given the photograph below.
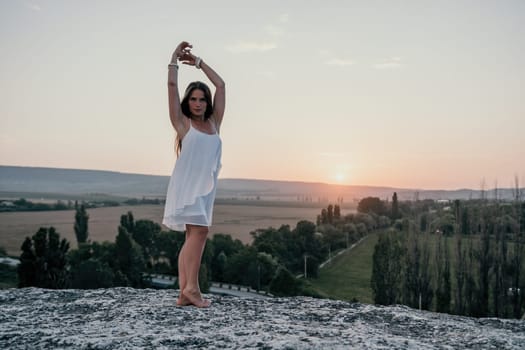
(173, 65)
(198, 63)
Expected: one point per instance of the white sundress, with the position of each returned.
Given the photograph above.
(193, 183)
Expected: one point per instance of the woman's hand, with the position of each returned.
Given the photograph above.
(188, 58)
(182, 50)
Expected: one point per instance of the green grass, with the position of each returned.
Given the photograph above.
(347, 277)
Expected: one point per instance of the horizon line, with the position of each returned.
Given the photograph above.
(275, 180)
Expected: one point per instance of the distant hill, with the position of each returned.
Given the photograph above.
(19, 180)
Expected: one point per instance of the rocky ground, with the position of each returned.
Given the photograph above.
(125, 318)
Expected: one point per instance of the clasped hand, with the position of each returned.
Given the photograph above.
(184, 54)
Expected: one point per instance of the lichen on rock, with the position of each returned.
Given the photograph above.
(126, 318)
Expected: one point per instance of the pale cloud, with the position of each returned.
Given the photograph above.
(283, 18)
(267, 74)
(274, 30)
(391, 63)
(251, 46)
(339, 62)
(331, 154)
(32, 6)
(332, 59)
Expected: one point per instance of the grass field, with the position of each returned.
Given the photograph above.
(347, 277)
(237, 219)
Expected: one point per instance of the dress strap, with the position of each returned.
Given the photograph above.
(214, 125)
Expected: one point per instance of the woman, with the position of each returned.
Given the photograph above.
(191, 191)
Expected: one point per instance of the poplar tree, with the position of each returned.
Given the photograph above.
(460, 275)
(443, 289)
(386, 270)
(337, 212)
(395, 207)
(26, 268)
(330, 214)
(129, 260)
(81, 223)
(128, 222)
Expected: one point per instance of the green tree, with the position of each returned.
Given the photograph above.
(165, 252)
(518, 299)
(484, 258)
(267, 267)
(129, 259)
(224, 247)
(242, 267)
(310, 246)
(128, 222)
(45, 265)
(372, 205)
(219, 270)
(27, 266)
(204, 281)
(57, 260)
(445, 224)
(461, 270)
(444, 287)
(143, 233)
(92, 274)
(324, 216)
(333, 237)
(426, 292)
(465, 222)
(471, 288)
(284, 283)
(386, 269)
(499, 268)
(81, 223)
(93, 265)
(395, 207)
(337, 212)
(330, 213)
(423, 222)
(286, 246)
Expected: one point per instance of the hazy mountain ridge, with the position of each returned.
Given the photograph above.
(75, 181)
(126, 318)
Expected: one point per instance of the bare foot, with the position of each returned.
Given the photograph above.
(183, 301)
(195, 298)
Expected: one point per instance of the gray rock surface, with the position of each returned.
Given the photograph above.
(126, 318)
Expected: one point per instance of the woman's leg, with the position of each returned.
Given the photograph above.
(182, 272)
(193, 249)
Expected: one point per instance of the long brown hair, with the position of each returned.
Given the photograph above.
(185, 106)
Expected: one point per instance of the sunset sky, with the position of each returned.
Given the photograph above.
(417, 94)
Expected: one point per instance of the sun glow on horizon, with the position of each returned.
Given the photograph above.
(340, 174)
(339, 177)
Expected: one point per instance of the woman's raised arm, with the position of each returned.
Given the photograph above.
(176, 115)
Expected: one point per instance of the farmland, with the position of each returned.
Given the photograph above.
(237, 219)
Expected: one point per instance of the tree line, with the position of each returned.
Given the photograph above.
(464, 257)
(272, 262)
(23, 204)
